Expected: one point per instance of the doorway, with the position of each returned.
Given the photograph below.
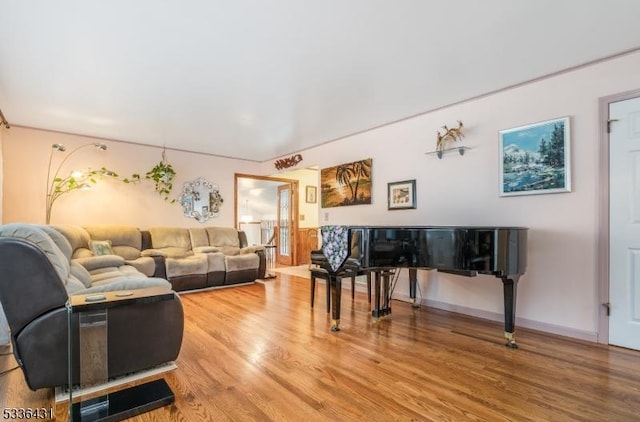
(619, 234)
(271, 204)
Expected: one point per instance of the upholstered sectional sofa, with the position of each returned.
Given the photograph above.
(189, 258)
(39, 277)
(43, 267)
(205, 256)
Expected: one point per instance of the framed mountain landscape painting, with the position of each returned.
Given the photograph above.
(535, 159)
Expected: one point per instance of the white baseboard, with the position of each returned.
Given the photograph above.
(361, 286)
(499, 317)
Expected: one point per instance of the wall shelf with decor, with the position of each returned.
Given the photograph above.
(441, 152)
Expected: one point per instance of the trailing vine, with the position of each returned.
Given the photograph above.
(162, 175)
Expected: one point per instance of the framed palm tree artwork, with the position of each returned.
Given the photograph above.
(346, 184)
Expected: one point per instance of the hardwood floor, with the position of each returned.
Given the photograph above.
(260, 353)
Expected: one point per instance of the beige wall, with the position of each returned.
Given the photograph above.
(26, 154)
(308, 212)
(559, 290)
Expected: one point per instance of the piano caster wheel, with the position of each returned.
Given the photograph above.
(511, 340)
(335, 326)
(415, 305)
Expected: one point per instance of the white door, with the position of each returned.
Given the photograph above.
(624, 224)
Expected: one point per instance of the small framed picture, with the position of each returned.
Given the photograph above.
(535, 159)
(402, 195)
(311, 195)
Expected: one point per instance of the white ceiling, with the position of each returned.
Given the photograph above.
(259, 79)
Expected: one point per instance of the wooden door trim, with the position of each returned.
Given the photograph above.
(295, 211)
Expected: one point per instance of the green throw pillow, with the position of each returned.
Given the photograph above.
(100, 247)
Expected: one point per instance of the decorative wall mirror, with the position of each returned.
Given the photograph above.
(200, 199)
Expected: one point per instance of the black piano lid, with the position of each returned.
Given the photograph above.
(454, 248)
(357, 227)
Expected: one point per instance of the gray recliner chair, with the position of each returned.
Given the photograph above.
(36, 281)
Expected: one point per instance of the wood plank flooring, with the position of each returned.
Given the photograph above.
(260, 353)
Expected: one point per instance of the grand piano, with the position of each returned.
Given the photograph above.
(464, 251)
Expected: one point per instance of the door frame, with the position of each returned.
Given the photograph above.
(603, 204)
(294, 204)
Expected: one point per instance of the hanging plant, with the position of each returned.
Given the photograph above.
(162, 175)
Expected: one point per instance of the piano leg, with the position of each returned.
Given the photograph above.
(377, 303)
(335, 283)
(510, 284)
(382, 306)
(413, 283)
(386, 284)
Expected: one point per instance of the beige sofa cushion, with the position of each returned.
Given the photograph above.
(59, 239)
(192, 265)
(146, 265)
(80, 273)
(251, 249)
(225, 239)
(242, 262)
(206, 249)
(102, 261)
(199, 237)
(127, 284)
(163, 237)
(168, 252)
(78, 239)
(112, 274)
(229, 250)
(215, 262)
(75, 286)
(172, 242)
